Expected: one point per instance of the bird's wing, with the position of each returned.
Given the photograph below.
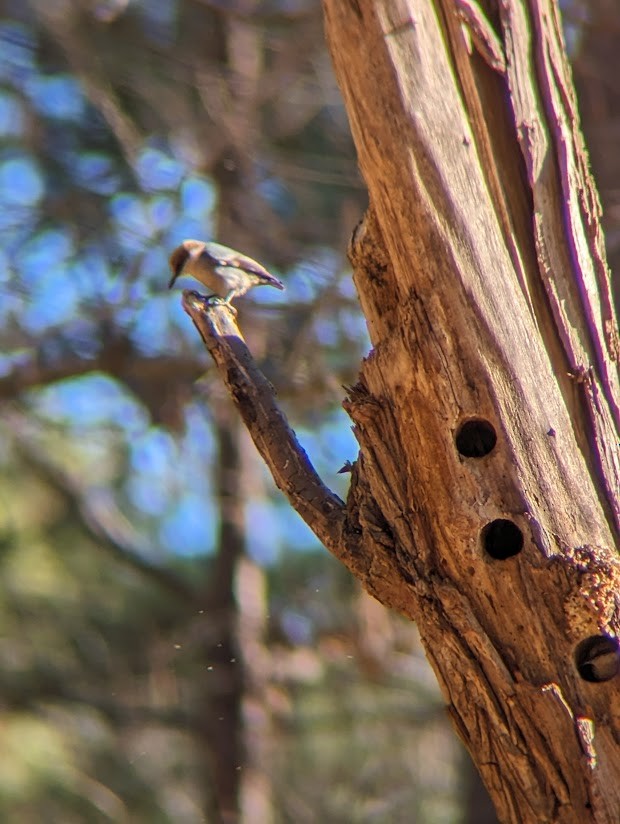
(229, 257)
(225, 256)
(248, 264)
(240, 261)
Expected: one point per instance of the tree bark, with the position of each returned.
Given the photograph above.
(481, 272)
(485, 500)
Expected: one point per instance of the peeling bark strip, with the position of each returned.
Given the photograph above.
(565, 199)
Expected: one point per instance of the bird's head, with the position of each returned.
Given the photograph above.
(187, 251)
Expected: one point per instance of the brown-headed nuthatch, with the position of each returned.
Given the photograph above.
(227, 273)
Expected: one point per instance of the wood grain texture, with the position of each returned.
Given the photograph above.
(481, 272)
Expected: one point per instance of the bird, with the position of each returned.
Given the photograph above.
(226, 272)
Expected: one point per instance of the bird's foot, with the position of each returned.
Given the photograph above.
(216, 300)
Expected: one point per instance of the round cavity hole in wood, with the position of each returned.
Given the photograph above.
(475, 438)
(502, 539)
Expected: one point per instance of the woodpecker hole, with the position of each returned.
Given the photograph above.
(502, 539)
(597, 658)
(475, 438)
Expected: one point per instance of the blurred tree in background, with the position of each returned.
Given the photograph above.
(175, 646)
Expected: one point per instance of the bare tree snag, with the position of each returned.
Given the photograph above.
(485, 502)
(481, 271)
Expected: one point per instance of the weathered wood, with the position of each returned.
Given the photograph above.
(481, 272)
(356, 534)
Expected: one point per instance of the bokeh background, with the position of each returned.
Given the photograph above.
(174, 645)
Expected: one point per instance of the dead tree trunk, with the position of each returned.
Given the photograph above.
(485, 503)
